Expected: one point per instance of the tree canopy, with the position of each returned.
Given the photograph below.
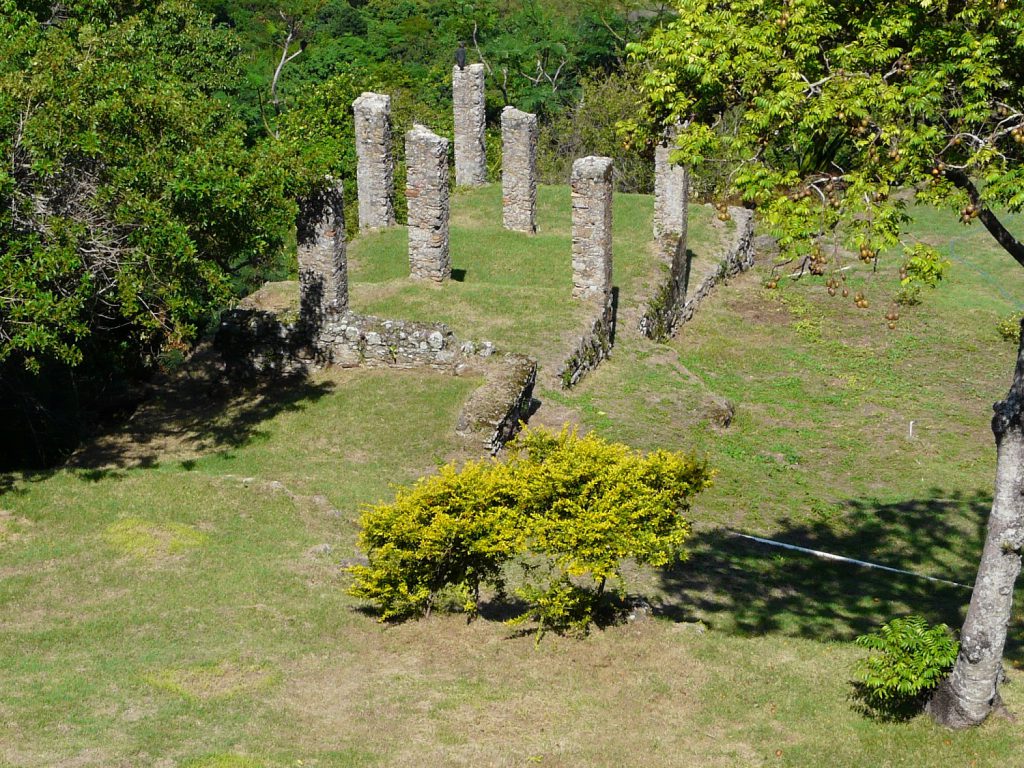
(816, 111)
(130, 199)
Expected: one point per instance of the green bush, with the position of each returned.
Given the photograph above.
(566, 509)
(1009, 327)
(911, 659)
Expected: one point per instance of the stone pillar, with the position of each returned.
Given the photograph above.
(592, 227)
(519, 170)
(671, 195)
(323, 269)
(375, 173)
(470, 118)
(426, 157)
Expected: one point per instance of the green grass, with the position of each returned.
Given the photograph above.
(185, 612)
(496, 270)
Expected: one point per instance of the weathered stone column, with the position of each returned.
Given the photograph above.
(426, 155)
(323, 269)
(375, 173)
(592, 227)
(671, 195)
(470, 118)
(519, 170)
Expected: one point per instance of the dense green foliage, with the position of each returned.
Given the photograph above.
(568, 509)
(911, 658)
(822, 108)
(130, 201)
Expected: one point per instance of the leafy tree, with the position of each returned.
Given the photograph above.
(821, 109)
(131, 208)
(130, 200)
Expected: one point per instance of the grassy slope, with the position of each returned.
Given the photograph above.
(181, 615)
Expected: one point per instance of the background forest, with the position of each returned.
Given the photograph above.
(154, 153)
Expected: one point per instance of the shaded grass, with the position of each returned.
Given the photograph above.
(241, 648)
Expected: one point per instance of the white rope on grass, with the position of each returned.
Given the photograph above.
(841, 559)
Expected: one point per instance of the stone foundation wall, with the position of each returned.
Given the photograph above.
(675, 304)
(427, 192)
(591, 227)
(470, 123)
(519, 135)
(260, 342)
(495, 410)
(375, 165)
(593, 347)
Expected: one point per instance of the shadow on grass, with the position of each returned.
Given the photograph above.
(743, 586)
(192, 412)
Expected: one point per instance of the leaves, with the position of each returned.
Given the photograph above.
(911, 659)
(845, 102)
(133, 204)
(568, 509)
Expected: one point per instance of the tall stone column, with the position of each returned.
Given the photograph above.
(591, 227)
(519, 136)
(375, 174)
(426, 157)
(470, 118)
(671, 195)
(323, 268)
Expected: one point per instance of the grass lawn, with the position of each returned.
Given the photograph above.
(191, 611)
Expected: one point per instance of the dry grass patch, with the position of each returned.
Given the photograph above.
(12, 527)
(474, 695)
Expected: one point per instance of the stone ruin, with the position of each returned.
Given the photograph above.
(426, 156)
(325, 332)
(375, 165)
(470, 122)
(671, 197)
(519, 135)
(323, 268)
(591, 183)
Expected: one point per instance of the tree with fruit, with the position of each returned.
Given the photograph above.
(816, 112)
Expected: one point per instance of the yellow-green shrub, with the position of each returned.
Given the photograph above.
(454, 529)
(568, 509)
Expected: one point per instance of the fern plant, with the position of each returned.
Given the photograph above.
(911, 658)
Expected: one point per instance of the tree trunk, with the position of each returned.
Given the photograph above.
(971, 692)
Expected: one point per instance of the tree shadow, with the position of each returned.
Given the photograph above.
(739, 585)
(192, 411)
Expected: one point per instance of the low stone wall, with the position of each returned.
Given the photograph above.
(593, 347)
(258, 338)
(257, 342)
(495, 411)
(674, 304)
(362, 340)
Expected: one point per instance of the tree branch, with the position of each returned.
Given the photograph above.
(1010, 244)
(285, 58)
